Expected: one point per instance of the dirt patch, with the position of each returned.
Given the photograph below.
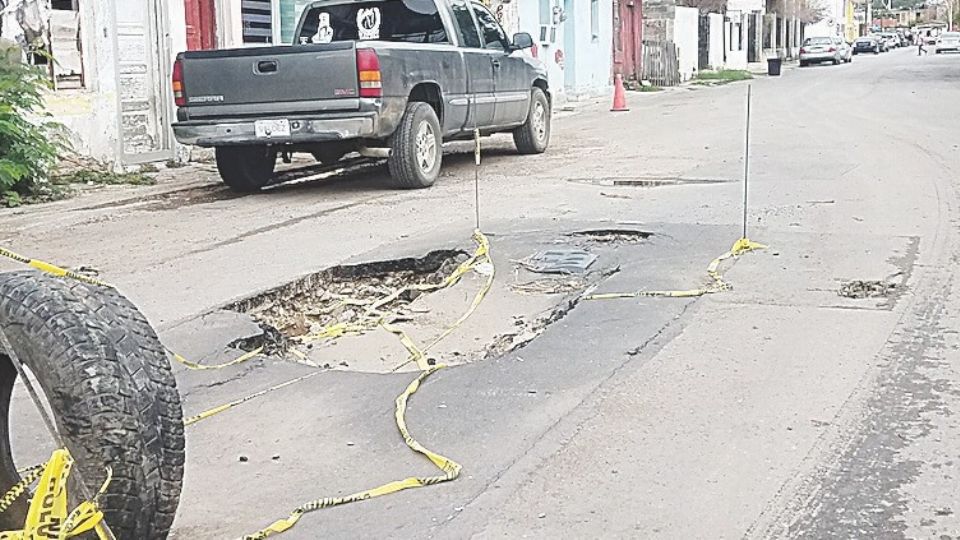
(860, 289)
(343, 293)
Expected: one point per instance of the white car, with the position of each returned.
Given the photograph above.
(825, 49)
(948, 41)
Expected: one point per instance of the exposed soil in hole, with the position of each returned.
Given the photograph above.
(619, 236)
(341, 294)
(859, 289)
(646, 181)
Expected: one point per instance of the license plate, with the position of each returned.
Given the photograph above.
(268, 129)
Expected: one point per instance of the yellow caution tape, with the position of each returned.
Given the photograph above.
(62, 272)
(47, 516)
(450, 469)
(28, 476)
(202, 367)
(51, 268)
(740, 247)
(372, 317)
(227, 406)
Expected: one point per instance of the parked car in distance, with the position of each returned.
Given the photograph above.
(893, 40)
(866, 44)
(948, 42)
(816, 50)
(388, 79)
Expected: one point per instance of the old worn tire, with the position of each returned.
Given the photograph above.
(143, 356)
(329, 156)
(100, 400)
(408, 169)
(533, 136)
(246, 169)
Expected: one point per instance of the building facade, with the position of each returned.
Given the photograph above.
(112, 61)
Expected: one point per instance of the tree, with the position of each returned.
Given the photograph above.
(811, 11)
(705, 6)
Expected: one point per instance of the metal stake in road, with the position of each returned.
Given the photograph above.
(476, 168)
(746, 161)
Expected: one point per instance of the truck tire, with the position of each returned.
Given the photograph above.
(329, 155)
(533, 136)
(143, 356)
(246, 169)
(416, 148)
(104, 415)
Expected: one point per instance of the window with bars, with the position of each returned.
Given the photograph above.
(257, 21)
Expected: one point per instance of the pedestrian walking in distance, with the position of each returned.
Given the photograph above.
(920, 49)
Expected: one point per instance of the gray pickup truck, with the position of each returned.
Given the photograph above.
(385, 78)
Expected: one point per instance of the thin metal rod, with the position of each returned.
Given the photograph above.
(746, 161)
(47, 420)
(476, 168)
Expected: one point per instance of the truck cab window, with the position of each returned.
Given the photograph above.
(468, 29)
(493, 35)
(414, 21)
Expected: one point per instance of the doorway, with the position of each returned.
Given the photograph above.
(201, 24)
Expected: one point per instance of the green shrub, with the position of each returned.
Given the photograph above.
(29, 149)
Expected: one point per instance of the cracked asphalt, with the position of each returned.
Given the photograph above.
(778, 409)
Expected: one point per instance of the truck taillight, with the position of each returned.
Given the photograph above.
(178, 94)
(832, 49)
(368, 73)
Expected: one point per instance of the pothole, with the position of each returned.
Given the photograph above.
(613, 236)
(646, 181)
(342, 294)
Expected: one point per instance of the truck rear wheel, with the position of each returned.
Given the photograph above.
(533, 136)
(416, 148)
(111, 404)
(246, 169)
(328, 155)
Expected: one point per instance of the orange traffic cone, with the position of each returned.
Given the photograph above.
(619, 95)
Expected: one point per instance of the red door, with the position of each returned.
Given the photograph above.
(201, 25)
(628, 51)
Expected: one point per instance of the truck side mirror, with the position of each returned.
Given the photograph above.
(522, 40)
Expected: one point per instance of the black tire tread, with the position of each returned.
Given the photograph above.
(245, 169)
(142, 354)
(523, 137)
(97, 410)
(404, 171)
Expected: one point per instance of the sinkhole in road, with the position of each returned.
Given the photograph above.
(330, 318)
(342, 295)
(613, 236)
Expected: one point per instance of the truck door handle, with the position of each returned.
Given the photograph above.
(268, 66)
(496, 63)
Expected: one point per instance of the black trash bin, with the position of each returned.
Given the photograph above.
(773, 66)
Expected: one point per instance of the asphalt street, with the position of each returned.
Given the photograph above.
(776, 409)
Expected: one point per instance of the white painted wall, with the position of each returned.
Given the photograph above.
(686, 35)
(589, 56)
(551, 50)
(716, 48)
(737, 33)
(229, 23)
(91, 114)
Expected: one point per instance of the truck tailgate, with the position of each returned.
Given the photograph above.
(236, 82)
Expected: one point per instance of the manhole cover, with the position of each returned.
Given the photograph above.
(645, 181)
(561, 261)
